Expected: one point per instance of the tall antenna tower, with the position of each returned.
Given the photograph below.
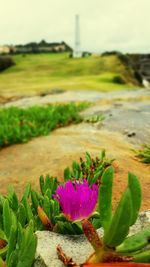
(77, 50)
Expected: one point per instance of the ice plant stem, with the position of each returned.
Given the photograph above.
(92, 235)
(102, 253)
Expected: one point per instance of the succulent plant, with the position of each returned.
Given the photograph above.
(42, 208)
(115, 244)
(19, 219)
(48, 208)
(17, 244)
(144, 154)
(89, 168)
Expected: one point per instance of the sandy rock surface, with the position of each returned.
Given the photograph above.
(76, 247)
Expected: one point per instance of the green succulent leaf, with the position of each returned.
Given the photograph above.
(21, 214)
(19, 236)
(96, 223)
(11, 243)
(13, 219)
(69, 228)
(88, 159)
(105, 197)
(46, 206)
(13, 259)
(29, 214)
(2, 199)
(60, 227)
(7, 218)
(48, 193)
(77, 228)
(51, 209)
(143, 257)
(66, 228)
(67, 174)
(135, 242)
(42, 185)
(28, 247)
(97, 175)
(136, 195)
(60, 217)
(3, 252)
(56, 207)
(13, 198)
(76, 170)
(49, 183)
(2, 235)
(103, 155)
(27, 191)
(120, 223)
(95, 215)
(34, 199)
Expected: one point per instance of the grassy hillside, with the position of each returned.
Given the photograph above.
(40, 72)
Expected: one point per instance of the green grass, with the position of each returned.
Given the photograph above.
(35, 73)
(20, 125)
(144, 154)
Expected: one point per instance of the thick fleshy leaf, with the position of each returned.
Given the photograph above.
(136, 195)
(120, 223)
(135, 242)
(143, 257)
(105, 197)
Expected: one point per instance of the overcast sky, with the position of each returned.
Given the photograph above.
(104, 24)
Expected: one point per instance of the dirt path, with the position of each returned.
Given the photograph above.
(26, 162)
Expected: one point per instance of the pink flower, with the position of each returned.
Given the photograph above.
(77, 199)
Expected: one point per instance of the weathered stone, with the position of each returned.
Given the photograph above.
(142, 221)
(73, 96)
(76, 247)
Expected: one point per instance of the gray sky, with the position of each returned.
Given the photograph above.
(105, 24)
